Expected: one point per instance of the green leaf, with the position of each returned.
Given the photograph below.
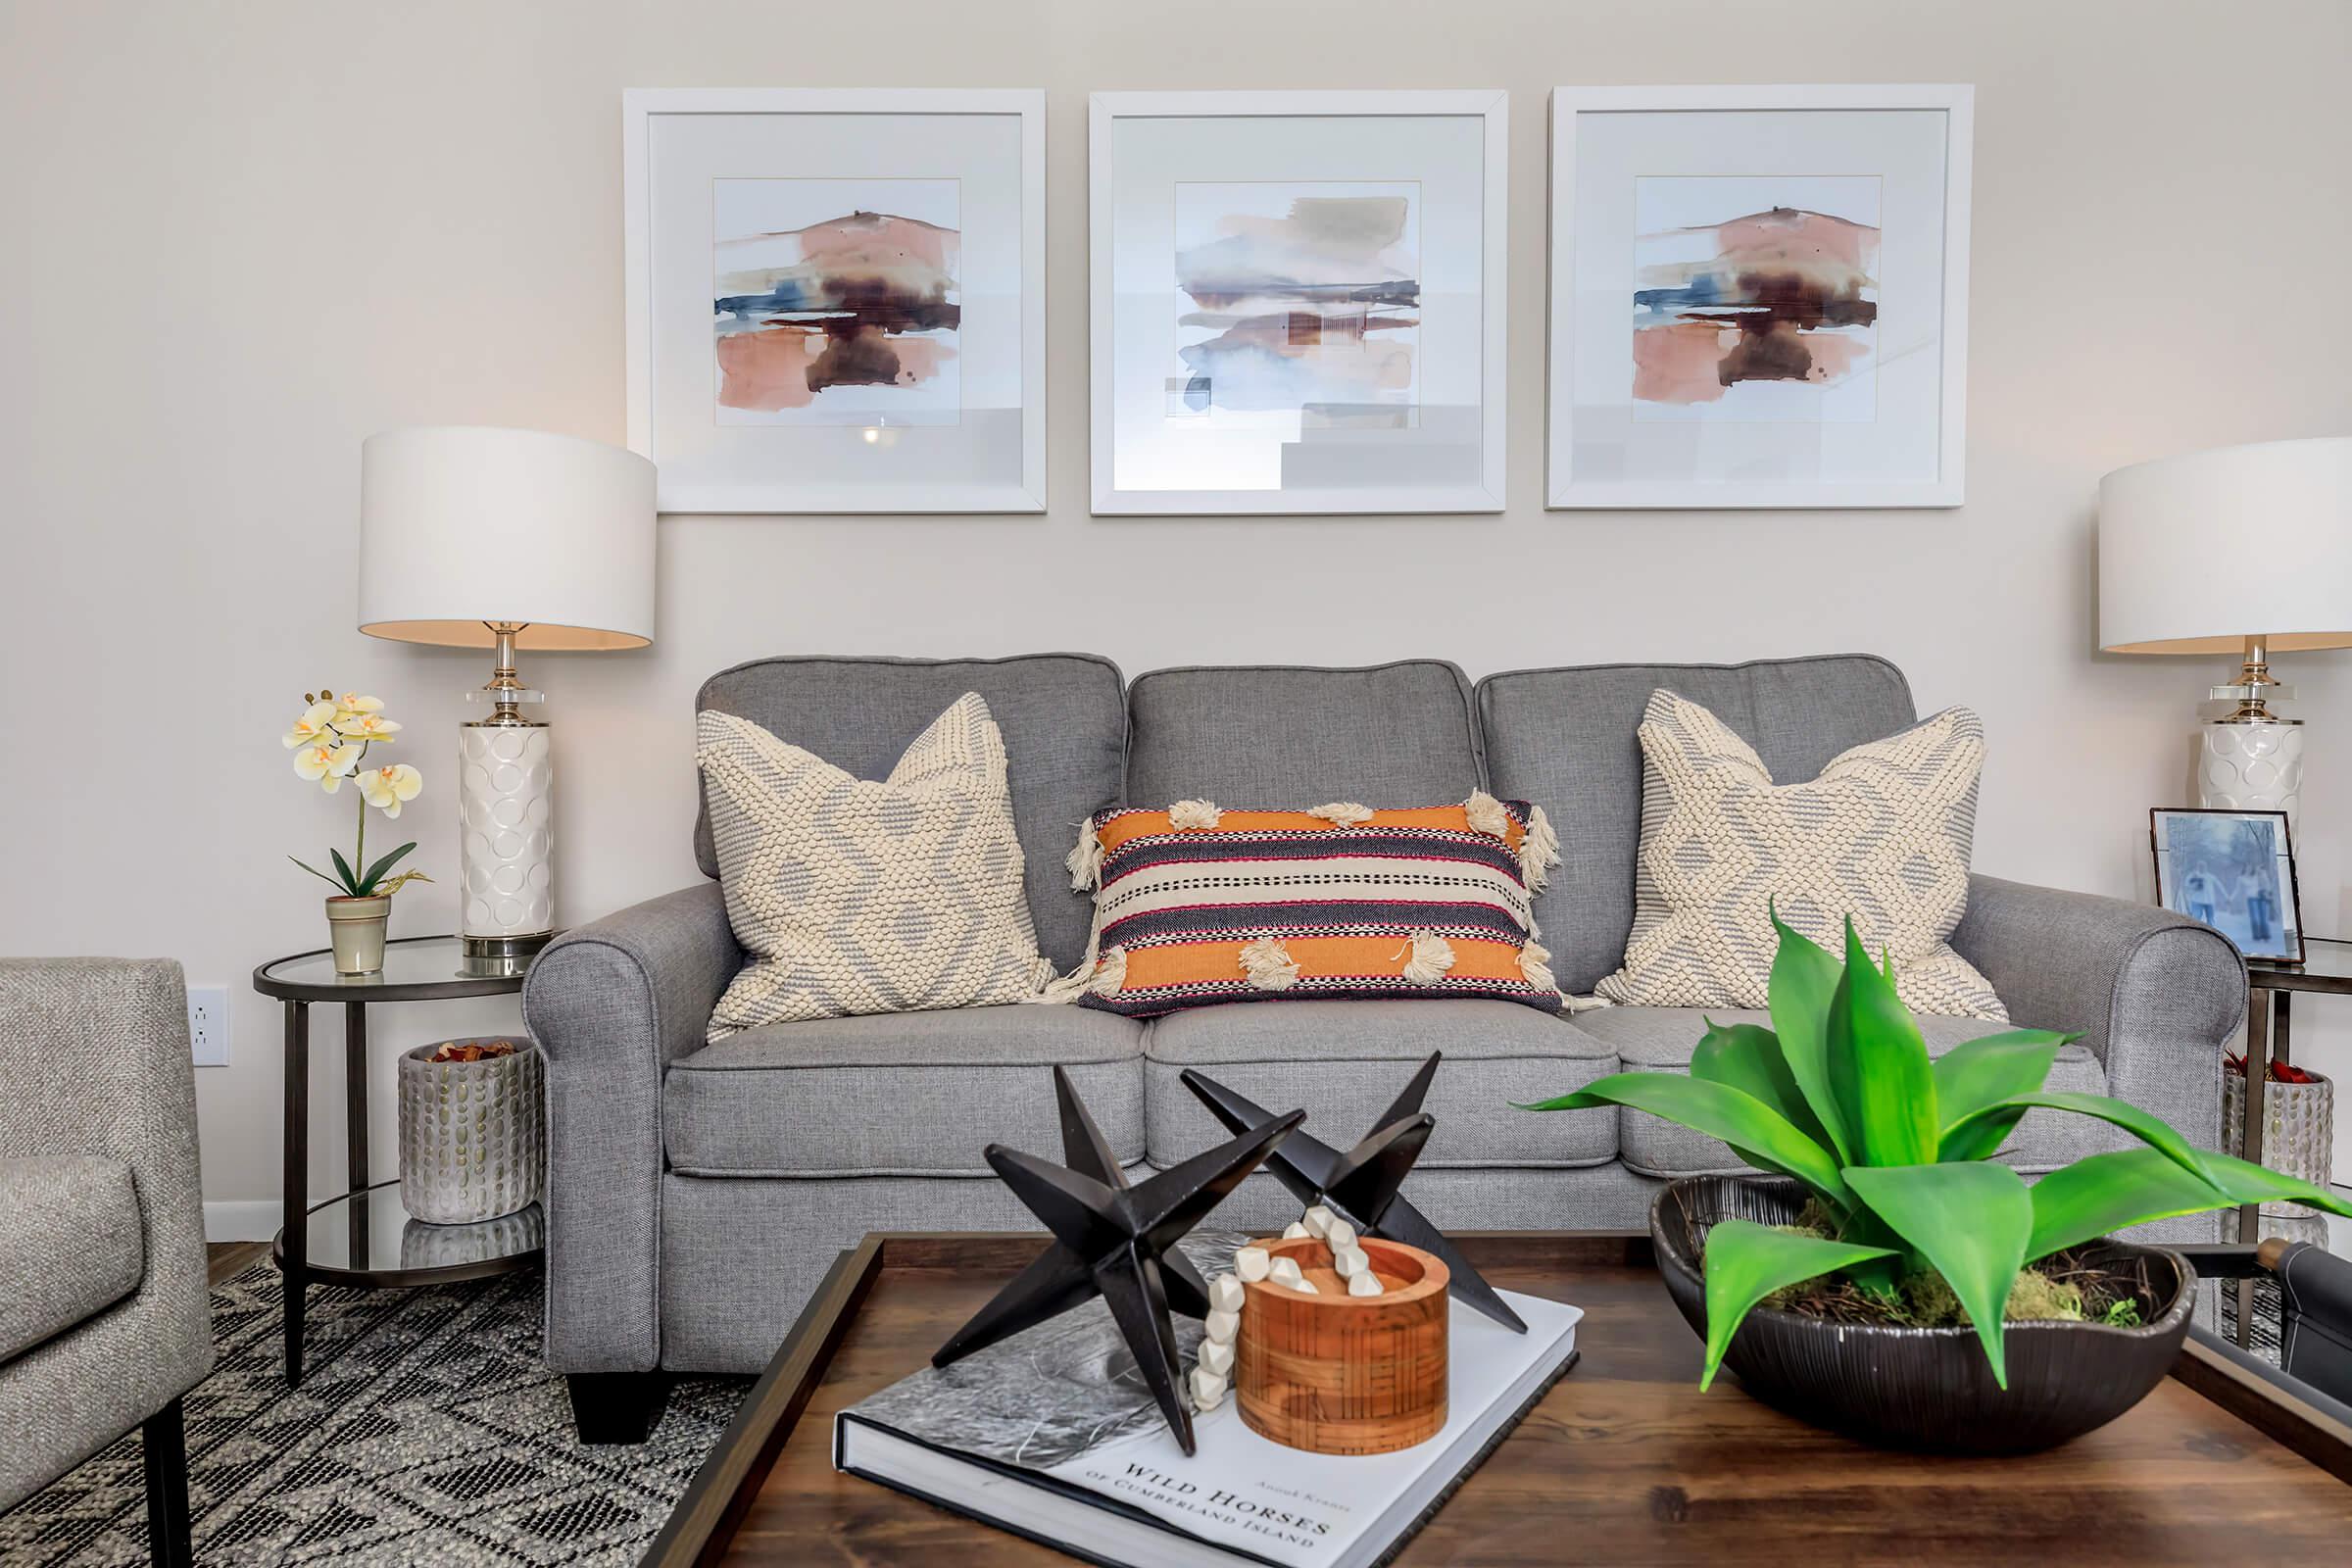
(1746, 1263)
(351, 884)
(1878, 1069)
(2241, 1183)
(1761, 1134)
(375, 872)
(1747, 1058)
(1979, 1073)
(1803, 980)
(1971, 1220)
(2151, 1130)
(315, 872)
(2103, 1192)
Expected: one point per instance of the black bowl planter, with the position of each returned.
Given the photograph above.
(1925, 1389)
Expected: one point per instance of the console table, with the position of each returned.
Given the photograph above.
(363, 1237)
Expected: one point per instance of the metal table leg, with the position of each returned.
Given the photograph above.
(2249, 1215)
(355, 1126)
(295, 1200)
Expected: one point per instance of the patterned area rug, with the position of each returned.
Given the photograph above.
(425, 1430)
(2265, 1316)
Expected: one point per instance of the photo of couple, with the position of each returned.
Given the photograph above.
(2232, 871)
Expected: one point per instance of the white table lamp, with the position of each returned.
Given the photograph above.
(472, 537)
(2244, 550)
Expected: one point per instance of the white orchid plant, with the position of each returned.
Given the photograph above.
(330, 742)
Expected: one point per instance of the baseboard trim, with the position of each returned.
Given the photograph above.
(239, 1221)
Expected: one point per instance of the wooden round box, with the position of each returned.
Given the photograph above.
(1334, 1373)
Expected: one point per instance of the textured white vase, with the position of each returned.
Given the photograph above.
(2252, 767)
(506, 831)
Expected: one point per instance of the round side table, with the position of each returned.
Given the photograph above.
(363, 1237)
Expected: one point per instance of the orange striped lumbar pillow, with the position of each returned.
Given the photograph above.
(1196, 905)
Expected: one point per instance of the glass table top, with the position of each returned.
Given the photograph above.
(415, 969)
(372, 1233)
(2327, 966)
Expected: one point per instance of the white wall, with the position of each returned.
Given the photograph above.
(237, 238)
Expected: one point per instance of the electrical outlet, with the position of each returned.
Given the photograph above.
(208, 1025)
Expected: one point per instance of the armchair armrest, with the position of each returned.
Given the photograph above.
(94, 1060)
(2156, 994)
(612, 1004)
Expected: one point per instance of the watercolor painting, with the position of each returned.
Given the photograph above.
(836, 301)
(1755, 298)
(1299, 300)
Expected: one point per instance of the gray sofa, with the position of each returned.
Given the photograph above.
(696, 1193)
(105, 1319)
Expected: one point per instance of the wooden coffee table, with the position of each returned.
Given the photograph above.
(1625, 1461)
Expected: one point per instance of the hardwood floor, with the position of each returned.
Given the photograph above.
(221, 1259)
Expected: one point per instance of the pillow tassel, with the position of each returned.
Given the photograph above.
(1535, 966)
(1269, 965)
(1431, 956)
(1343, 814)
(1111, 976)
(1193, 814)
(1085, 860)
(1487, 816)
(1539, 849)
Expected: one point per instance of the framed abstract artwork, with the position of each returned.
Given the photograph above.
(1296, 302)
(1759, 296)
(836, 299)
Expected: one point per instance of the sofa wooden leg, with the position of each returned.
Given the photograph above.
(166, 1443)
(616, 1406)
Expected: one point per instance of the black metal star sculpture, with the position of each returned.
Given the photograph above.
(1115, 1240)
(1361, 1184)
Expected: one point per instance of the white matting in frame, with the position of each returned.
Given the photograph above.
(1758, 296)
(1296, 302)
(836, 298)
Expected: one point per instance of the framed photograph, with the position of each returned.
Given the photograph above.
(1298, 300)
(1759, 296)
(836, 299)
(2235, 871)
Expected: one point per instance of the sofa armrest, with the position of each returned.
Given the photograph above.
(94, 1060)
(612, 1004)
(2156, 994)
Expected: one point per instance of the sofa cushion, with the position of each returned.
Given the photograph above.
(1062, 716)
(900, 1093)
(1346, 1061)
(69, 1229)
(1662, 1040)
(1282, 734)
(1565, 739)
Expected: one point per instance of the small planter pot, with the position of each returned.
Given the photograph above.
(2298, 1132)
(356, 926)
(1925, 1389)
(469, 1134)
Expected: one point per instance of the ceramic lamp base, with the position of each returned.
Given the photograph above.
(505, 834)
(2252, 767)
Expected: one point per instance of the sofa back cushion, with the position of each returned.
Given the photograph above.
(1064, 723)
(1287, 736)
(1565, 739)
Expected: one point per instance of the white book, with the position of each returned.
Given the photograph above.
(1051, 1435)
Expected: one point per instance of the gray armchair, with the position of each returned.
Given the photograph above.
(104, 1317)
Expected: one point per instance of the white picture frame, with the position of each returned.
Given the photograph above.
(991, 144)
(1601, 451)
(1458, 350)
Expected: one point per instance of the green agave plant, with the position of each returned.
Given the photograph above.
(1840, 1094)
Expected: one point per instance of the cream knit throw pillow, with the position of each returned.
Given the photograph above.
(1883, 834)
(850, 897)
